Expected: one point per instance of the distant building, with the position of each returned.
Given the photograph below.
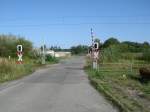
(62, 54)
(58, 54)
(50, 52)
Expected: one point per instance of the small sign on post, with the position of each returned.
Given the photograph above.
(19, 54)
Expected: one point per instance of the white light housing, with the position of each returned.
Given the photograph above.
(96, 45)
(19, 48)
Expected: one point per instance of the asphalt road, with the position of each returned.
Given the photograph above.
(59, 88)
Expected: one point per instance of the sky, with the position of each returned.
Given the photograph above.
(67, 23)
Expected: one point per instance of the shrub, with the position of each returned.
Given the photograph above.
(111, 54)
(8, 45)
(80, 49)
(145, 72)
(50, 58)
(111, 41)
(146, 55)
(9, 70)
(6, 66)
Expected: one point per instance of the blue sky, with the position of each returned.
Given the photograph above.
(67, 22)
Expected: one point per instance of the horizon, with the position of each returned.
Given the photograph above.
(19, 36)
(66, 23)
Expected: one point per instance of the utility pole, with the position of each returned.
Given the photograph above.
(92, 53)
(92, 36)
(43, 53)
(95, 52)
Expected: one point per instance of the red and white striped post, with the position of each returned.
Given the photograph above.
(19, 54)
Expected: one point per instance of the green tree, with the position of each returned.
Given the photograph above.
(100, 44)
(8, 44)
(110, 41)
(80, 49)
(132, 46)
(146, 55)
(146, 45)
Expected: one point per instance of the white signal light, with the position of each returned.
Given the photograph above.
(19, 48)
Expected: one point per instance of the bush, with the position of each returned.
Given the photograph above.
(6, 66)
(145, 72)
(111, 54)
(146, 55)
(111, 41)
(80, 49)
(8, 45)
(50, 58)
(9, 70)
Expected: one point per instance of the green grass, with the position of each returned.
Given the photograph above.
(121, 86)
(9, 70)
(51, 59)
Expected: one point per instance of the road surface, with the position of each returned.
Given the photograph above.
(62, 87)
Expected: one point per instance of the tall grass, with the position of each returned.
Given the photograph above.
(9, 70)
(121, 87)
(51, 59)
(146, 55)
(110, 54)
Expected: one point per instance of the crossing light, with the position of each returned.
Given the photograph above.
(19, 48)
(96, 46)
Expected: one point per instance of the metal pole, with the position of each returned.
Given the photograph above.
(92, 37)
(43, 54)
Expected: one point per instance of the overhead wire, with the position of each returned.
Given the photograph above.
(65, 23)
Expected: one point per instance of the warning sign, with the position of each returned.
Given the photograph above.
(96, 54)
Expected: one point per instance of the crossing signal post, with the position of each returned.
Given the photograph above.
(95, 55)
(20, 54)
(95, 52)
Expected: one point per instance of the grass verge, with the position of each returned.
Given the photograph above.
(9, 70)
(122, 88)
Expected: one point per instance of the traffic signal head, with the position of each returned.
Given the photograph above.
(19, 48)
(96, 45)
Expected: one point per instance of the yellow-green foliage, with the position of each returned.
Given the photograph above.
(8, 45)
(9, 70)
(125, 88)
(111, 54)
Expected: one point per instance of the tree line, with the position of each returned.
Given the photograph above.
(8, 44)
(112, 47)
(112, 50)
(127, 46)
